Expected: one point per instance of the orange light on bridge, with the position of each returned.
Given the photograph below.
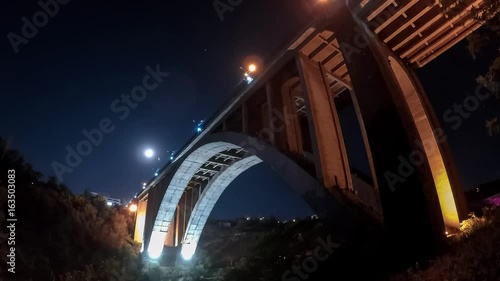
(133, 208)
(252, 68)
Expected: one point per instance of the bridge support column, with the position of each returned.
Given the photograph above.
(416, 179)
(269, 103)
(332, 166)
(140, 220)
(279, 118)
(244, 118)
(171, 239)
(293, 133)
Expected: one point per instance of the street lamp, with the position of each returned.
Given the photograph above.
(133, 208)
(251, 68)
(199, 126)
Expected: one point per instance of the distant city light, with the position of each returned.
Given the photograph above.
(249, 79)
(149, 153)
(156, 174)
(171, 157)
(198, 129)
(252, 68)
(109, 203)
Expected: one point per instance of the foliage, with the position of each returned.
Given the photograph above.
(62, 236)
(287, 245)
(197, 269)
(474, 255)
(487, 35)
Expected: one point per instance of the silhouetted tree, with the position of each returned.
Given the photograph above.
(486, 36)
(62, 236)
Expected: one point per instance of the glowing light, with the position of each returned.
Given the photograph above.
(171, 157)
(142, 247)
(140, 223)
(249, 79)
(156, 174)
(109, 203)
(198, 126)
(149, 153)
(187, 251)
(156, 244)
(252, 68)
(133, 208)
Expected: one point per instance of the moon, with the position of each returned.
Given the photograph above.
(149, 153)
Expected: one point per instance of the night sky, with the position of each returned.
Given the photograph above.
(66, 77)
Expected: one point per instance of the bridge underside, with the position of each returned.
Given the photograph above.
(288, 118)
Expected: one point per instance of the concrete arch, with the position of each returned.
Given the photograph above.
(207, 201)
(325, 203)
(430, 146)
(176, 188)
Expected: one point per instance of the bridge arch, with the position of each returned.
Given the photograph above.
(207, 201)
(326, 203)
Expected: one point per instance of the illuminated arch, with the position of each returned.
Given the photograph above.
(305, 185)
(416, 104)
(176, 187)
(207, 200)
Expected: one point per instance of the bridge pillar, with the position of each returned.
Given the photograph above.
(415, 176)
(292, 126)
(171, 238)
(140, 220)
(244, 118)
(279, 118)
(269, 115)
(332, 166)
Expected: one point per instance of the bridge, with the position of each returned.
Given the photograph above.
(354, 53)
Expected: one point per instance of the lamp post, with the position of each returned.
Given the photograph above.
(251, 69)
